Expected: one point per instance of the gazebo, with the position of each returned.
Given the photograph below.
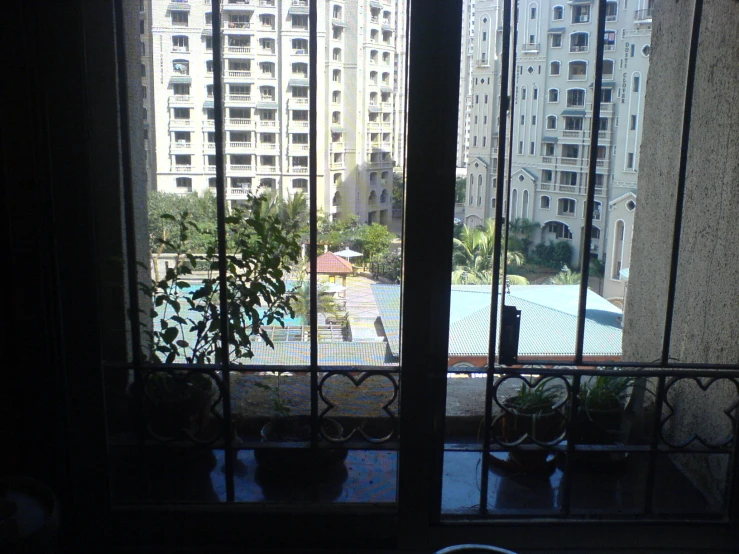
(334, 266)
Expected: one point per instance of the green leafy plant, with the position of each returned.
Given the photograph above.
(537, 400)
(187, 319)
(604, 392)
(280, 407)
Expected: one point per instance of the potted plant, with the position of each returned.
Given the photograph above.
(296, 464)
(185, 316)
(602, 402)
(531, 415)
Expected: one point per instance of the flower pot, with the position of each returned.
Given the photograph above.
(545, 427)
(600, 427)
(298, 463)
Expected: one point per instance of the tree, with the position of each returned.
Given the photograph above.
(460, 190)
(373, 240)
(566, 277)
(338, 234)
(300, 302)
(473, 257)
(520, 233)
(201, 212)
(398, 190)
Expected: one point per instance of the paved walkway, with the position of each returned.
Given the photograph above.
(362, 309)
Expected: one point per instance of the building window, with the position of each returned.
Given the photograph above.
(578, 71)
(554, 68)
(532, 13)
(551, 122)
(633, 123)
(556, 40)
(180, 18)
(558, 13)
(575, 98)
(580, 14)
(579, 42)
(630, 160)
(553, 95)
(635, 83)
(566, 207)
(544, 202)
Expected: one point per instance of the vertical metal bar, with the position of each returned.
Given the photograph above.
(132, 271)
(503, 108)
(654, 444)
(590, 191)
(504, 262)
(572, 429)
(681, 177)
(731, 493)
(221, 231)
(313, 221)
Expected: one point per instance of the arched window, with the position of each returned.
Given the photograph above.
(619, 230)
(337, 199)
(372, 200)
(551, 122)
(525, 205)
(383, 196)
(544, 202)
(470, 188)
(579, 42)
(554, 68)
(558, 229)
(300, 184)
(578, 70)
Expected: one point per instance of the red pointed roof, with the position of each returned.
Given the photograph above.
(331, 264)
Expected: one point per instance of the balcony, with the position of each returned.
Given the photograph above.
(643, 16)
(300, 101)
(210, 169)
(578, 48)
(299, 147)
(547, 159)
(240, 122)
(239, 98)
(531, 48)
(237, 4)
(267, 146)
(337, 165)
(241, 167)
(238, 49)
(609, 47)
(572, 134)
(210, 122)
(299, 124)
(267, 169)
(210, 145)
(238, 192)
(238, 74)
(299, 169)
(180, 99)
(180, 122)
(181, 145)
(239, 25)
(268, 123)
(239, 145)
(567, 188)
(182, 168)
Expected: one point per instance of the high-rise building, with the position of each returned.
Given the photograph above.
(549, 130)
(360, 99)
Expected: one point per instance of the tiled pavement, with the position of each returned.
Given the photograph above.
(362, 309)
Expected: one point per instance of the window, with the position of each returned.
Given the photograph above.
(179, 18)
(566, 207)
(532, 13)
(630, 160)
(546, 176)
(578, 71)
(632, 127)
(580, 13)
(559, 230)
(544, 202)
(606, 95)
(551, 122)
(548, 149)
(536, 94)
(579, 42)
(611, 11)
(573, 123)
(558, 13)
(575, 98)
(635, 83)
(554, 68)
(532, 148)
(337, 54)
(533, 120)
(608, 67)
(180, 44)
(299, 21)
(556, 40)
(409, 431)
(553, 95)
(336, 75)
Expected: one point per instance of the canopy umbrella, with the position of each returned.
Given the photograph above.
(346, 253)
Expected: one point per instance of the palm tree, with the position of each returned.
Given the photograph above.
(566, 277)
(300, 302)
(473, 257)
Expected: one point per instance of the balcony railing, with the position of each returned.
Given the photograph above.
(180, 145)
(210, 169)
(609, 47)
(569, 161)
(236, 24)
(567, 188)
(545, 186)
(572, 134)
(643, 15)
(267, 169)
(530, 47)
(579, 48)
(210, 145)
(239, 97)
(238, 74)
(299, 169)
(240, 121)
(181, 122)
(238, 49)
(238, 191)
(239, 144)
(268, 146)
(301, 101)
(182, 169)
(180, 98)
(240, 167)
(300, 147)
(299, 124)
(268, 123)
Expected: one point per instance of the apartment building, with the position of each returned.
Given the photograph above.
(360, 106)
(551, 120)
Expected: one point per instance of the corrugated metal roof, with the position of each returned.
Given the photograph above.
(329, 353)
(548, 320)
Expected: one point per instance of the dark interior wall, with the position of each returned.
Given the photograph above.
(48, 161)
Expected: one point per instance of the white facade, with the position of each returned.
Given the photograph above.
(360, 107)
(551, 122)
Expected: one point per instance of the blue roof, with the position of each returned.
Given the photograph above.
(548, 320)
